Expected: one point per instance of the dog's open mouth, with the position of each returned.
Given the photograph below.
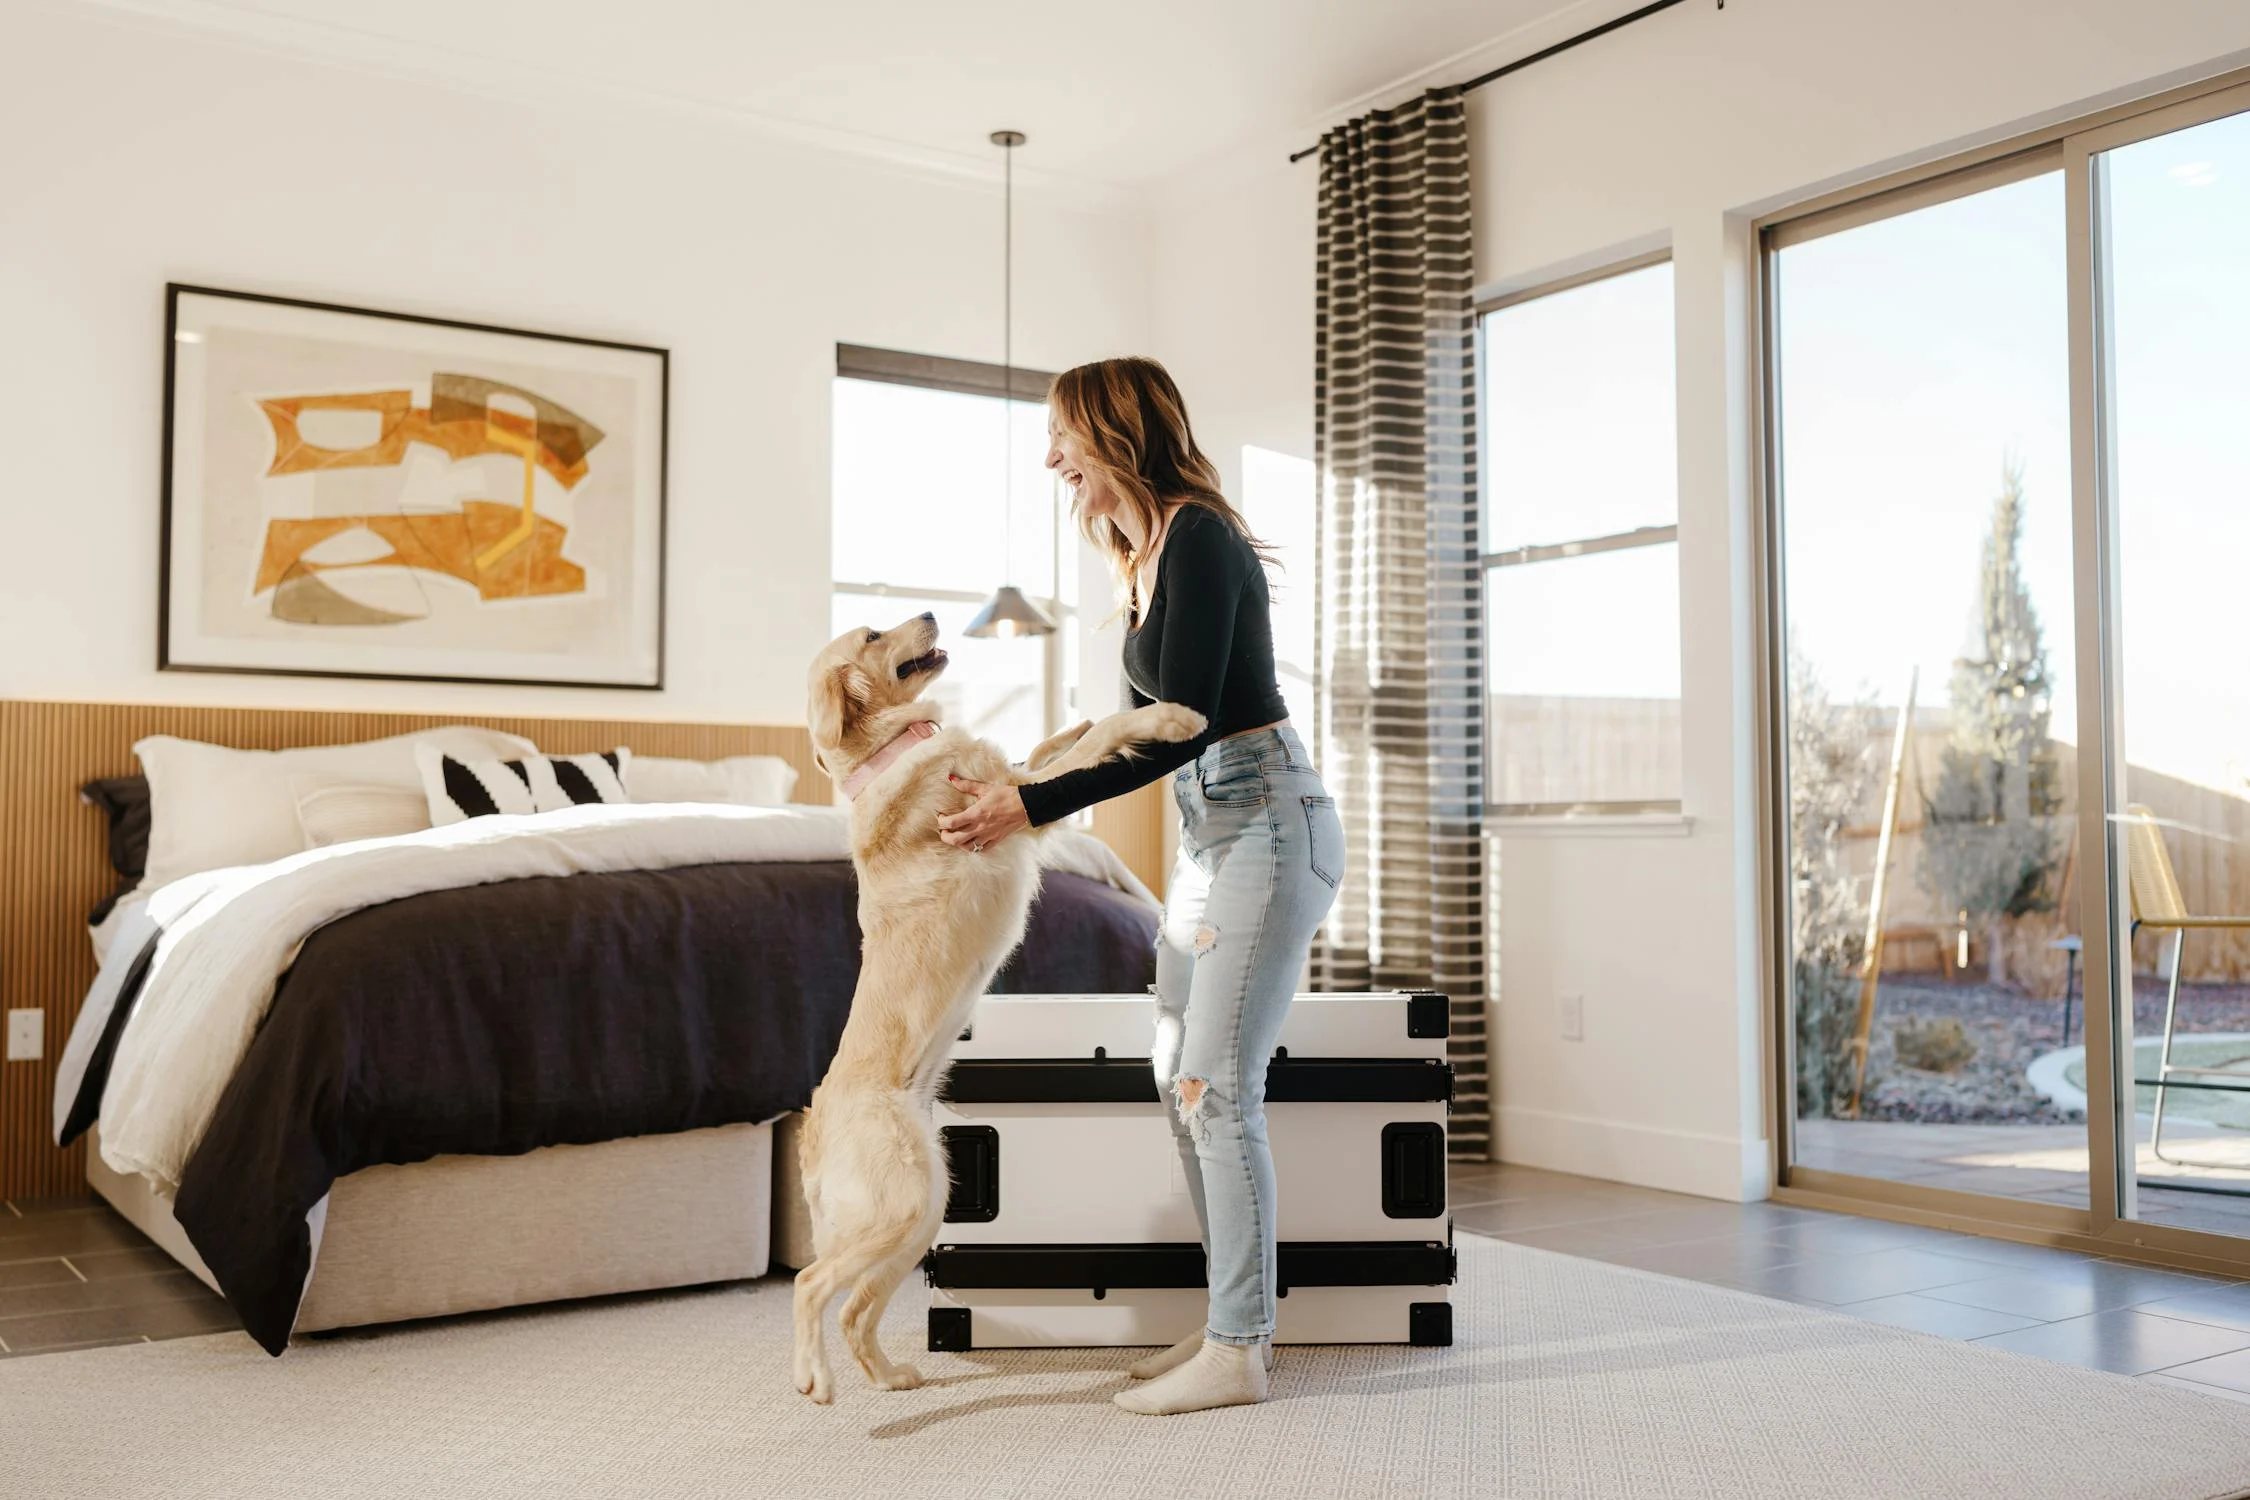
(928, 663)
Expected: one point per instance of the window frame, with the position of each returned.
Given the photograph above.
(967, 377)
(1549, 816)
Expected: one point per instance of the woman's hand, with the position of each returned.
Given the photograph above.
(997, 812)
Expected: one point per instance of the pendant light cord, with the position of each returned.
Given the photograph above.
(1008, 362)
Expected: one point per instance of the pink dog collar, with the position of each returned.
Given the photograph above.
(883, 759)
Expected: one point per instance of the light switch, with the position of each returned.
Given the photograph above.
(27, 1035)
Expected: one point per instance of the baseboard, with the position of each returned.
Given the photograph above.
(1678, 1161)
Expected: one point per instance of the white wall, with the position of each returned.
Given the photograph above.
(134, 157)
(1677, 130)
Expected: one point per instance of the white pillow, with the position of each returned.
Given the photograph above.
(210, 807)
(340, 814)
(462, 787)
(744, 780)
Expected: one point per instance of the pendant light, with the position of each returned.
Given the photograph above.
(1008, 614)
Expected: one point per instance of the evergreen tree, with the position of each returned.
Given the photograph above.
(1990, 840)
(1832, 769)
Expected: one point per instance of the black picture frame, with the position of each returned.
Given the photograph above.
(168, 659)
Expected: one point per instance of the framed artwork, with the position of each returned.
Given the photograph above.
(363, 494)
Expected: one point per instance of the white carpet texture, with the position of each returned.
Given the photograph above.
(1571, 1378)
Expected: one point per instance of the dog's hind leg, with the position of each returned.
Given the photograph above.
(862, 1317)
(856, 1264)
(816, 1287)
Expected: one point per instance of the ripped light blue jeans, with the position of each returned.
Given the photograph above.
(1261, 851)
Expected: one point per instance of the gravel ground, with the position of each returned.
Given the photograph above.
(2010, 1029)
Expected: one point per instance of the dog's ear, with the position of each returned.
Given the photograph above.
(838, 696)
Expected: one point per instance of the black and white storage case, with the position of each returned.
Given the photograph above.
(1069, 1222)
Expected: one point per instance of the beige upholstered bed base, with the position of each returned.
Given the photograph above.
(468, 1233)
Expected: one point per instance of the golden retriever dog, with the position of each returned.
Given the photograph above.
(935, 923)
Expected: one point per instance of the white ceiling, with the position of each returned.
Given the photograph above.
(1123, 92)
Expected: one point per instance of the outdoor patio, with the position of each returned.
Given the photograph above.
(2041, 1163)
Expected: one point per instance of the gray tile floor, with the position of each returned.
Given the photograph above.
(74, 1275)
(2169, 1326)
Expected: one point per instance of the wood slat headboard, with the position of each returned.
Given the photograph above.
(54, 852)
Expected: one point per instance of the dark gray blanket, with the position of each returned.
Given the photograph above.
(495, 1019)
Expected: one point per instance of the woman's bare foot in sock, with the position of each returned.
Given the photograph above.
(1216, 1375)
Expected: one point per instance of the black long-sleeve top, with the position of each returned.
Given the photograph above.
(1206, 644)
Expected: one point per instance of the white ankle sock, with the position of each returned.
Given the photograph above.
(1216, 1375)
(1165, 1361)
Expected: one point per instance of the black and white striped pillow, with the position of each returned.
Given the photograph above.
(459, 789)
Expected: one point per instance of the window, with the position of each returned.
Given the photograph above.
(1280, 500)
(924, 452)
(1581, 537)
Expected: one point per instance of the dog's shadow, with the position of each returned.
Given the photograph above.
(1046, 1361)
(998, 1363)
(920, 1422)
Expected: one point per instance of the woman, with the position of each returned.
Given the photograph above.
(1261, 848)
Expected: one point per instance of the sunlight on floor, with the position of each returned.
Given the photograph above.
(2204, 1158)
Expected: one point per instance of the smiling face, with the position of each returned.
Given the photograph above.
(860, 676)
(1066, 455)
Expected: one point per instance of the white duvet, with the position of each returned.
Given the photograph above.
(229, 935)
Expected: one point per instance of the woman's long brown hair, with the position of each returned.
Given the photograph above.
(1134, 425)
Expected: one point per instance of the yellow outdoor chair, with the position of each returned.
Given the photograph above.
(2158, 905)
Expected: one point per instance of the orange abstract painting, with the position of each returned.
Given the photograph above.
(403, 497)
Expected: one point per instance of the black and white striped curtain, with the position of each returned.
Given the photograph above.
(1401, 643)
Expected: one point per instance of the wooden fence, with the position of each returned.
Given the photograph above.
(1548, 750)
(2206, 832)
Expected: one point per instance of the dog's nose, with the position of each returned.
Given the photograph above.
(927, 615)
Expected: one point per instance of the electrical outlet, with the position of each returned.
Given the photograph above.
(27, 1035)
(1570, 1017)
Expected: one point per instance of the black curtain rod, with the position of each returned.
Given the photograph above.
(1544, 53)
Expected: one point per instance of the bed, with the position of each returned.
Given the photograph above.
(549, 1069)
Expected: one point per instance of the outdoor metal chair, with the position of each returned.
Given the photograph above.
(2069, 947)
(2159, 906)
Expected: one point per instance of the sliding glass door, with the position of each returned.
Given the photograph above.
(2008, 530)
(1921, 374)
(2166, 332)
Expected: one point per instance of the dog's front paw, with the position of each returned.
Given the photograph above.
(1056, 744)
(900, 1378)
(1172, 723)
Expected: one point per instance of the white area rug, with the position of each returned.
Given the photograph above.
(1571, 1378)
